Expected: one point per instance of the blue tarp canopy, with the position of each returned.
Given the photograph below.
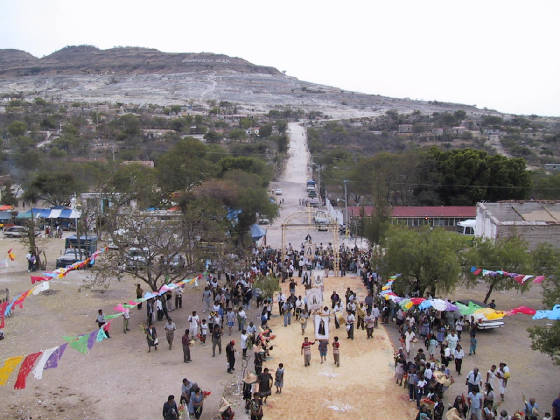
(54, 213)
(5, 215)
(257, 232)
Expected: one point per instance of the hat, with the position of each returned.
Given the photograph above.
(224, 406)
(250, 378)
(232, 341)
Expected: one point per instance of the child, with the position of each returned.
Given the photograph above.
(203, 331)
(336, 351)
(279, 378)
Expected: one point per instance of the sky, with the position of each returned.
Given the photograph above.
(502, 55)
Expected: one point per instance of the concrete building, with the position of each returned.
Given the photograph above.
(534, 221)
(446, 217)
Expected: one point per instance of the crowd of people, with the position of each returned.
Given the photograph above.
(428, 360)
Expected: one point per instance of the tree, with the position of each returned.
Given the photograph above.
(508, 254)
(184, 166)
(546, 339)
(54, 187)
(8, 196)
(427, 259)
(157, 251)
(17, 128)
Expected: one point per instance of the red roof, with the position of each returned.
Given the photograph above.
(467, 212)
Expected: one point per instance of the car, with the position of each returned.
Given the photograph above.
(136, 258)
(17, 232)
(322, 227)
(264, 221)
(483, 324)
(278, 191)
(312, 194)
(70, 256)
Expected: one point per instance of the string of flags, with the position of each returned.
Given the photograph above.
(519, 278)
(46, 359)
(18, 300)
(478, 312)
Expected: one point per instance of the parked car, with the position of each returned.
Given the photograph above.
(483, 324)
(70, 256)
(17, 232)
(278, 191)
(264, 221)
(136, 258)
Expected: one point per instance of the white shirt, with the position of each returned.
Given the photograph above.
(241, 314)
(459, 354)
(409, 335)
(243, 341)
(193, 321)
(428, 374)
(474, 380)
(350, 319)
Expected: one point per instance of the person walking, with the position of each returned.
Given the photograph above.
(241, 318)
(475, 402)
(196, 402)
(306, 351)
(216, 340)
(126, 318)
(350, 319)
(244, 338)
(323, 346)
(170, 411)
(336, 351)
(459, 354)
(265, 384)
(170, 331)
(279, 378)
(303, 320)
(178, 297)
(139, 294)
(151, 337)
(503, 376)
(194, 322)
(186, 342)
(370, 324)
(101, 322)
(230, 356)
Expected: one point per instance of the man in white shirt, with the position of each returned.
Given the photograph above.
(194, 322)
(503, 376)
(408, 337)
(474, 379)
(241, 318)
(244, 338)
(350, 319)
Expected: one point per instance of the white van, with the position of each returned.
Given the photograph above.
(466, 227)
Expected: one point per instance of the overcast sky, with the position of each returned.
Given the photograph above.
(498, 54)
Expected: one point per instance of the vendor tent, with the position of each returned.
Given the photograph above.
(257, 232)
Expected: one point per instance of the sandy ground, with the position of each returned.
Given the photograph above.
(361, 388)
(118, 378)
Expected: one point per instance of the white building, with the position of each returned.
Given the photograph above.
(535, 222)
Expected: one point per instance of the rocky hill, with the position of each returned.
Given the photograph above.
(142, 75)
(86, 59)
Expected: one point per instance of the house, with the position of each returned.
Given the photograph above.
(405, 128)
(146, 163)
(536, 222)
(552, 166)
(437, 131)
(457, 131)
(415, 216)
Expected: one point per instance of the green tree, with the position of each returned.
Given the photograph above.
(546, 339)
(54, 187)
(427, 259)
(509, 254)
(8, 196)
(184, 166)
(17, 128)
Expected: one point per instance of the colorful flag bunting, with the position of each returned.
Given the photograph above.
(78, 343)
(11, 255)
(40, 366)
(36, 279)
(25, 370)
(6, 370)
(55, 357)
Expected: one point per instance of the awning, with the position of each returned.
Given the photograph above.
(50, 214)
(6, 207)
(257, 232)
(5, 215)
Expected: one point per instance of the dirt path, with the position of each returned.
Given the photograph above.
(361, 388)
